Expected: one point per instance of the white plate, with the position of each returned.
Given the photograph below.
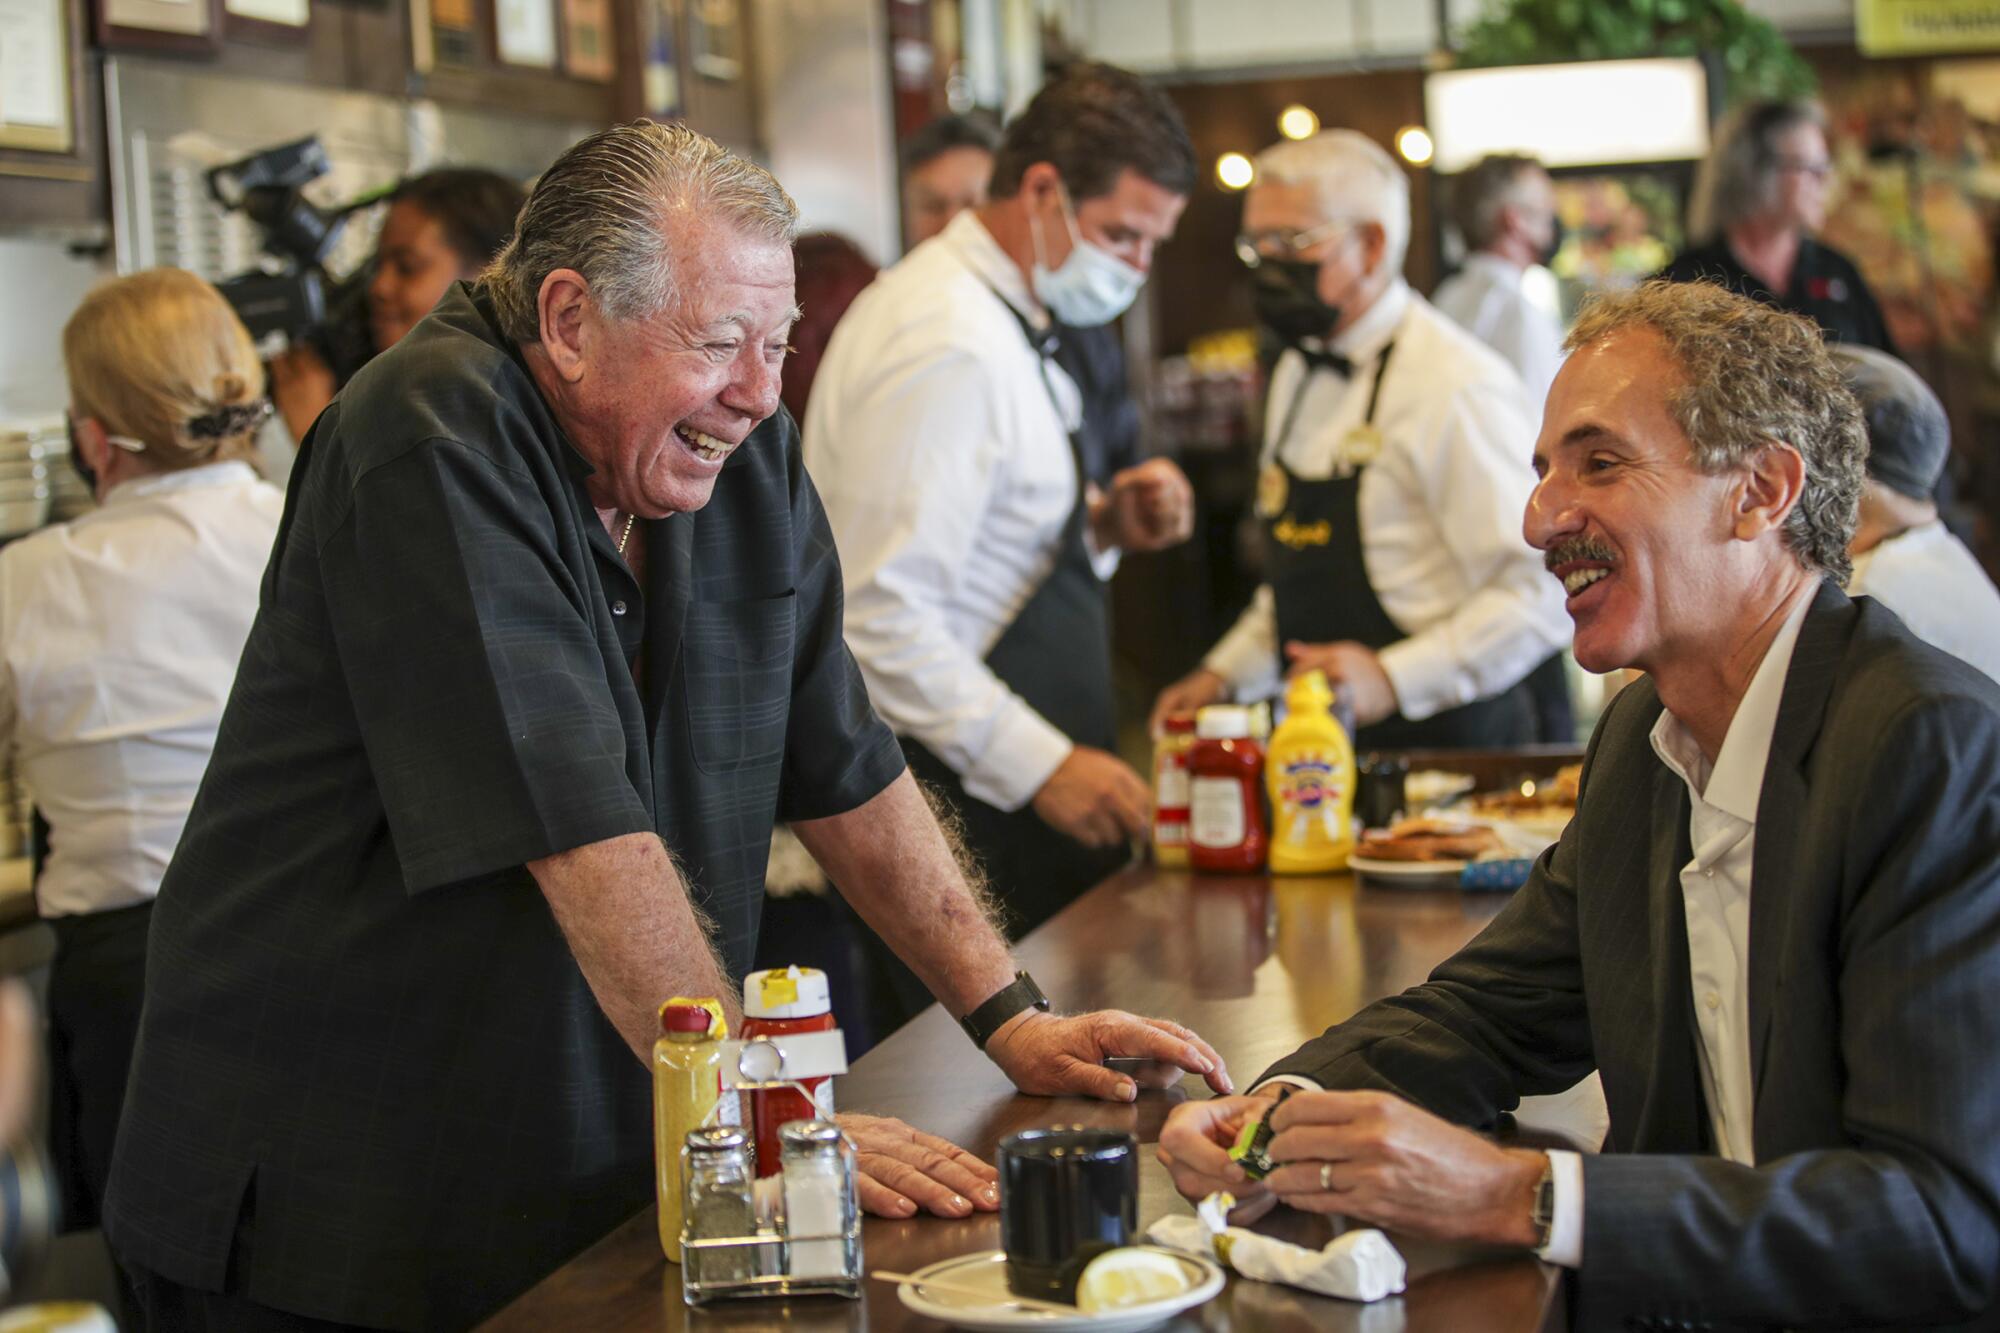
(1368, 865)
(987, 1271)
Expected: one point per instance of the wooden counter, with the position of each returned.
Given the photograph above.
(1254, 965)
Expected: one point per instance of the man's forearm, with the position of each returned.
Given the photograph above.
(624, 909)
(903, 874)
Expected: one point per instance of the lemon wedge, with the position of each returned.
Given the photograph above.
(1130, 1276)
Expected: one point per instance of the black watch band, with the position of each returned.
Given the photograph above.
(1018, 994)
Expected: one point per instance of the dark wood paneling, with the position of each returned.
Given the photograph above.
(1254, 964)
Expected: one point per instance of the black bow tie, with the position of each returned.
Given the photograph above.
(1321, 359)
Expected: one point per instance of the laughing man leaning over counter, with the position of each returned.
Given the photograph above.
(1773, 925)
(550, 636)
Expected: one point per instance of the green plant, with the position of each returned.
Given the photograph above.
(1756, 59)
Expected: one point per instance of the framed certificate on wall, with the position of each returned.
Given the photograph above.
(267, 20)
(187, 26)
(524, 32)
(587, 40)
(36, 73)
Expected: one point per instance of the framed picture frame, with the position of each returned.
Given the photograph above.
(587, 40)
(715, 39)
(524, 33)
(183, 27)
(267, 20)
(454, 32)
(38, 76)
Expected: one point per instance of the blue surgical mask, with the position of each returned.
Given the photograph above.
(1092, 286)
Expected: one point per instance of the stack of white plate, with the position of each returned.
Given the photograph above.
(26, 449)
(68, 495)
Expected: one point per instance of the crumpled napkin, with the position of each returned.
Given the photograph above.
(1354, 1266)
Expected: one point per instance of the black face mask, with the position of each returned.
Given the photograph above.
(1288, 303)
(1557, 235)
(76, 456)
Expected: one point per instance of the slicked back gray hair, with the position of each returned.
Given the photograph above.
(1739, 178)
(1492, 183)
(1356, 179)
(1752, 374)
(603, 207)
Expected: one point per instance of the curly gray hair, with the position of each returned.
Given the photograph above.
(600, 208)
(1751, 375)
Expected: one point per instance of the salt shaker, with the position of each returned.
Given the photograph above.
(821, 1200)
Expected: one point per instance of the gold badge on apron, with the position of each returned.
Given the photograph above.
(1271, 491)
(1361, 445)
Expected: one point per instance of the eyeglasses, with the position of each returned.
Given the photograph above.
(1818, 170)
(1253, 248)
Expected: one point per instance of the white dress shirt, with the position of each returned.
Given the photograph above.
(1514, 311)
(942, 456)
(1936, 587)
(119, 636)
(1440, 509)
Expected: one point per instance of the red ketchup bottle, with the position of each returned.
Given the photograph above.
(777, 1003)
(1225, 812)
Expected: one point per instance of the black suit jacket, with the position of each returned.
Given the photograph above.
(1874, 976)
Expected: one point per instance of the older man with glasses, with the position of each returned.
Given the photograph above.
(1393, 471)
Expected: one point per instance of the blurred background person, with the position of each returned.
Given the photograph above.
(1903, 555)
(944, 441)
(1760, 197)
(1395, 470)
(119, 636)
(830, 272)
(947, 165)
(1505, 208)
(442, 227)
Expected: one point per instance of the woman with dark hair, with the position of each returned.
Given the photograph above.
(443, 226)
(1760, 196)
(831, 272)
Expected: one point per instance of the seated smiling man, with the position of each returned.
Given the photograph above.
(1773, 925)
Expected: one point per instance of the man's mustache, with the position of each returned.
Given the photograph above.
(1578, 548)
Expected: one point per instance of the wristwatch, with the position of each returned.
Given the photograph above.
(1018, 994)
(1543, 1215)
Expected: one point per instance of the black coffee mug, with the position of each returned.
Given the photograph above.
(1067, 1194)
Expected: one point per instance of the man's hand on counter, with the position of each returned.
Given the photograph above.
(1063, 1055)
(1194, 1147)
(904, 1170)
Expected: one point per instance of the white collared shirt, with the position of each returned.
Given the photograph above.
(1715, 895)
(1440, 509)
(1514, 311)
(942, 456)
(119, 636)
(1936, 587)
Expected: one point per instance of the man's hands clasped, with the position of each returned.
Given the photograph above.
(1369, 1156)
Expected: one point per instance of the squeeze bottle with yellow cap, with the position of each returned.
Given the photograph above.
(1309, 770)
(778, 1003)
(687, 1080)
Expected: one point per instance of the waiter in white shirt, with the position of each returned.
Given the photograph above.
(1505, 208)
(1904, 556)
(943, 439)
(1394, 475)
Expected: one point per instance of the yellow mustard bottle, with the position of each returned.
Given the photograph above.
(1309, 770)
(687, 1081)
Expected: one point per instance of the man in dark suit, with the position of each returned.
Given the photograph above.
(1773, 925)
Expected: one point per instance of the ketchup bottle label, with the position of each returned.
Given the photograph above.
(1216, 813)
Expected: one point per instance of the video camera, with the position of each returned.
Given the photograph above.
(268, 187)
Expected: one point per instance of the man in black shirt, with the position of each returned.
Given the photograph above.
(550, 634)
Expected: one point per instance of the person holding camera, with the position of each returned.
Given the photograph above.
(443, 226)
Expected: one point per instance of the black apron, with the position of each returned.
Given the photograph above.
(1056, 655)
(1319, 584)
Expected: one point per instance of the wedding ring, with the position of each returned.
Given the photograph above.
(1326, 1177)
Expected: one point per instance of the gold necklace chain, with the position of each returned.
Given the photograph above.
(626, 535)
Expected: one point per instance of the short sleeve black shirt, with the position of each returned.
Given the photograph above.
(1825, 287)
(371, 1084)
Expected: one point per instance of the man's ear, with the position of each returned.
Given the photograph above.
(1038, 184)
(562, 303)
(1374, 245)
(1773, 479)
